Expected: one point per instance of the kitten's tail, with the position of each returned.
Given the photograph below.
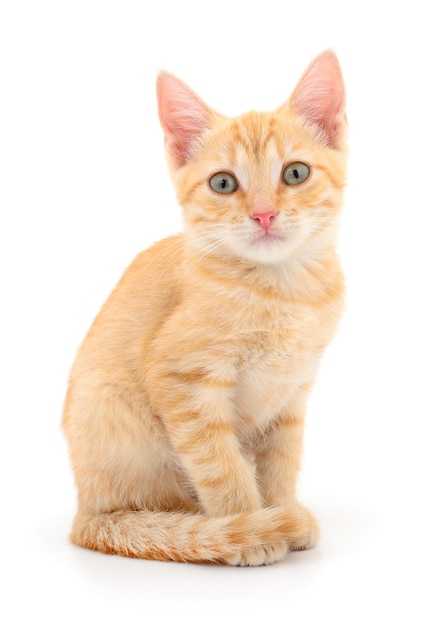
(163, 536)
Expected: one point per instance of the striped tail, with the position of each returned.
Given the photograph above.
(163, 536)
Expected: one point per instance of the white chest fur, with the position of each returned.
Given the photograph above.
(269, 380)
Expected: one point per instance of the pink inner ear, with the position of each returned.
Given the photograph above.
(320, 96)
(182, 114)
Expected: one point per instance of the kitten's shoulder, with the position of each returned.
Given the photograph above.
(164, 255)
(153, 274)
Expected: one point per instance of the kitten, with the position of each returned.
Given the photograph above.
(185, 408)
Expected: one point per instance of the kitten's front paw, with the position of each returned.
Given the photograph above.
(308, 532)
(260, 555)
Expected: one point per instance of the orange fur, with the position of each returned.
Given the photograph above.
(185, 408)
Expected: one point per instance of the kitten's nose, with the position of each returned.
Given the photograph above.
(264, 219)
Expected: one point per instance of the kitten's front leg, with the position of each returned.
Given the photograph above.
(197, 413)
(198, 416)
(278, 456)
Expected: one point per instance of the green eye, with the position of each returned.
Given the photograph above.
(223, 183)
(296, 173)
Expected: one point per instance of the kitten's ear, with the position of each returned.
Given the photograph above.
(320, 97)
(183, 116)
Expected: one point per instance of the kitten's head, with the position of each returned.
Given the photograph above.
(264, 187)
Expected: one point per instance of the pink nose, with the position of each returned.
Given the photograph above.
(264, 219)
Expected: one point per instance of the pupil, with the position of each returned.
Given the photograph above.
(223, 183)
(295, 173)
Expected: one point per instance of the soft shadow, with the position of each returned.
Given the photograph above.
(345, 529)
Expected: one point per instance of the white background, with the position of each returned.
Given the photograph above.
(84, 187)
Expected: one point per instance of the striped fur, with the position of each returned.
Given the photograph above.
(185, 408)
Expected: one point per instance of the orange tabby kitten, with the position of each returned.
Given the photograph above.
(185, 408)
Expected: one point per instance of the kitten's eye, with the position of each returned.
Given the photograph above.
(223, 183)
(296, 173)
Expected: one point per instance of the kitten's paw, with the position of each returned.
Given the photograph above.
(308, 532)
(260, 555)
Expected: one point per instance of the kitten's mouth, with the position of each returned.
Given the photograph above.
(267, 238)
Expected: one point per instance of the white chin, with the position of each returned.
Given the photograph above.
(268, 252)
